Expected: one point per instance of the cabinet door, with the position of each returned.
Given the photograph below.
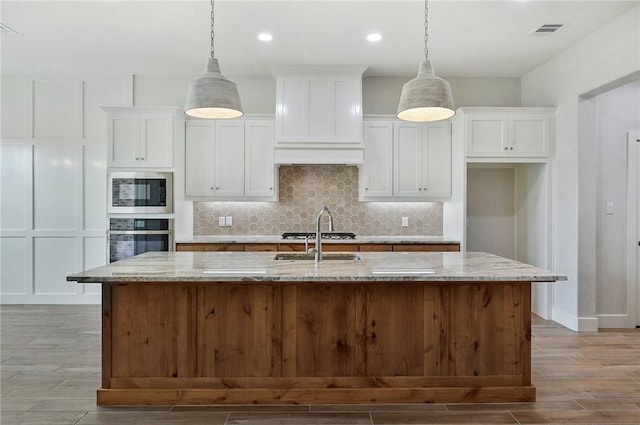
(259, 170)
(199, 158)
(292, 112)
(529, 135)
(124, 140)
(377, 171)
(347, 109)
(407, 175)
(436, 160)
(229, 159)
(487, 135)
(156, 140)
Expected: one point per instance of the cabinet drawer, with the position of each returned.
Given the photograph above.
(256, 247)
(378, 247)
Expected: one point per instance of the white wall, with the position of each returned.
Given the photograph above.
(53, 186)
(491, 206)
(617, 112)
(608, 54)
(380, 95)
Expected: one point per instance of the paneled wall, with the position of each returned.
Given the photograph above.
(53, 185)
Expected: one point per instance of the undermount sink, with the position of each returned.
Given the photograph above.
(344, 256)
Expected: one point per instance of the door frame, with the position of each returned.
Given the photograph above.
(633, 227)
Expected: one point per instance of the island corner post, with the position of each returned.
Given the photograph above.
(252, 342)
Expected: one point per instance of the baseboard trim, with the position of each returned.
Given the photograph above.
(623, 321)
(50, 299)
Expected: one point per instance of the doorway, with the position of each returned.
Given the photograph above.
(633, 224)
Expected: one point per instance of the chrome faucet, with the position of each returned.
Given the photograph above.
(319, 234)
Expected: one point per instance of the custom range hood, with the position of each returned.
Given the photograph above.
(319, 115)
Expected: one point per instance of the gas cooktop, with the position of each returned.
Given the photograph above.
(312, 235)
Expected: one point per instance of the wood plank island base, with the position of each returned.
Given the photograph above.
(189, 328)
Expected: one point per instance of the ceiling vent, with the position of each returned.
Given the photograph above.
(547, 29)
(6, 30)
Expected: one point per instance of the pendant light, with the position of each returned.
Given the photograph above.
(427, 97)
(213, 96)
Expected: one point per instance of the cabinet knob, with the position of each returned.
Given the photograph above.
(137, 159)
(217, 188)
(142, 158)
(366, 188)
(419, 188)
(211, 188)
(506, 148)
(270, 188)
(511, 148)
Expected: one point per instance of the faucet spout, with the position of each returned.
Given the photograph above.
(319, 233)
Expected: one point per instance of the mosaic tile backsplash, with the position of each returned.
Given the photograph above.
(304, 189)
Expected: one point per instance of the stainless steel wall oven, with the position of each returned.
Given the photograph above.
(132, 236)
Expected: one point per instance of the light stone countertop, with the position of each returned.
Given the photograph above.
(358, 240)
(203, 267)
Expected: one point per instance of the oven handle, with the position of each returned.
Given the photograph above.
(139, 232)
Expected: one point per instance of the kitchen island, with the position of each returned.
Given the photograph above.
(245, 328)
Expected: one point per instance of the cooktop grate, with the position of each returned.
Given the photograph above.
(312, 235)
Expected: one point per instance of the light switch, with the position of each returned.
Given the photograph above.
(611, 208)
(405, 221)
(221, 222)
(228, 221)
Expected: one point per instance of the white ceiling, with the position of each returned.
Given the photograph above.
(466, 38)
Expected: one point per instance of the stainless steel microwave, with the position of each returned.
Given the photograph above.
(140, 192)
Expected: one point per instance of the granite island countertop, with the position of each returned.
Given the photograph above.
(247, 239)
(252, 267)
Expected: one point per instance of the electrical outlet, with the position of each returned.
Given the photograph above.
(611, 208)
(221, 222)
(405, 221)
(228, 220)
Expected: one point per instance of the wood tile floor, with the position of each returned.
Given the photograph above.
(50, 370)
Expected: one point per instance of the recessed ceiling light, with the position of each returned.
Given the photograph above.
(374, 37)
(265, 37)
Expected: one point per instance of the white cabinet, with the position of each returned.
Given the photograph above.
(376, 175)
(323, 108)
(422, 160)
(230, 160)
(319, 115)
(406, 161)
(507, 132)
(259, 171)
(140, 138)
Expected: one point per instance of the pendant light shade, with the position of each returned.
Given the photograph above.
(213, 96)
(426, 98)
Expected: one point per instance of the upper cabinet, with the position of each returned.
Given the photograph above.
(141, 137)
(507, 132)
(319, 115)
(406, 161)
(376, 175)
(230, 160)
